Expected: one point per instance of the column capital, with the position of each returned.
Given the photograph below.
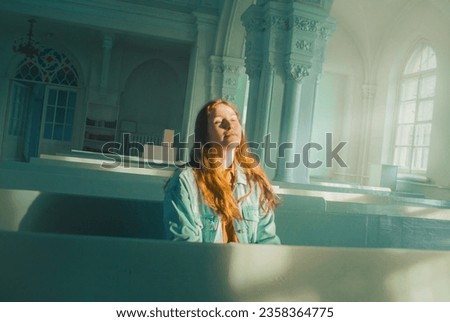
(253, 68)
(297, 71)
(229, 65)
(225, 76)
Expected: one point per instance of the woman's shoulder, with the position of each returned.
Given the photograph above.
(181, 176)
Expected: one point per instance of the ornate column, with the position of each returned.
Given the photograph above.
(368, 95)
(288, 159)
(108, 41)
(226, 75)
(253, 24)
(261, 123)
(288, 39)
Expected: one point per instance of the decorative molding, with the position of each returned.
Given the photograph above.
(230, 82)
(232, 68)
(304, 45)
(324, 33)
(230, 98)
(216, 64)
(276, 22)
(296, 71)
(305, 24)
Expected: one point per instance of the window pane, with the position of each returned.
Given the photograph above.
(413, 65)
(428, 59)
(407, 112)
(409, 89)
(422, 135)
(402, 156)
(48, 128)
(50, 114)
(69, 119)
(420, 159)
(404, 135)
(62, 98)
(425, 112)
(427, 86)
(58, 132)
(52, 97)
(60, 115)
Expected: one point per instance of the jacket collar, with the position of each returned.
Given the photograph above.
(241, 178)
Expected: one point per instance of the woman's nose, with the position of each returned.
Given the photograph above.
(226, 124)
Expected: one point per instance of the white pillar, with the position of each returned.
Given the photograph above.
(289, 161)
(368, 95)
(108, 41)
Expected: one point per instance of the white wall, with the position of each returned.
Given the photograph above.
(422, 22)
(370, 47)
(338, 106)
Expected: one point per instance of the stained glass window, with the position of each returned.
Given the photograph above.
(415, 111)
(49, 67)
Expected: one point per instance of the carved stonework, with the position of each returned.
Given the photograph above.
(229, 98)
(229, 68)
(324, 33)
(304, 45)
(277, 22)
(215, 64)
(297, 71)
(305, 24)
(230, 82)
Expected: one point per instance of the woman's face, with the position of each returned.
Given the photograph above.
(224, 127)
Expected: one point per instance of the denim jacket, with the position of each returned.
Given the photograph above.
(188, 218)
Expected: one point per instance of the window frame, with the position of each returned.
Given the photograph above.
(403, 78)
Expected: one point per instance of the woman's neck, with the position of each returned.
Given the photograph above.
(228, 158)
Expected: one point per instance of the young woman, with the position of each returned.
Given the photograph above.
(222, 195)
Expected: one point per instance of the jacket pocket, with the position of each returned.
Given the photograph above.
(210, 224)
(249, 227)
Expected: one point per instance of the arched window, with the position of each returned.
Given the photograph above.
(42, 106)
(415, 111)
(49, 66)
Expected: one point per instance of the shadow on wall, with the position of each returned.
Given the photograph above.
(82, 215)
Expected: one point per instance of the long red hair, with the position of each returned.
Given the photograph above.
(213, 182)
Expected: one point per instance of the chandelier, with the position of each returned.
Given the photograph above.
(27, 45)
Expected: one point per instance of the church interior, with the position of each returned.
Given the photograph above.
(344, 101)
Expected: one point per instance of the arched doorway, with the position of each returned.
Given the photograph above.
(41, 106)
